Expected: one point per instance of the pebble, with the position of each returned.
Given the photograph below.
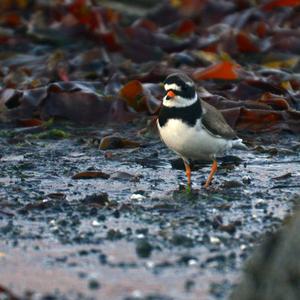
(94, 284)
(214, 240)
(143, 248)
(137, 197)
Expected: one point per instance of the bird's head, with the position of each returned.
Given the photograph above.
(180, 91)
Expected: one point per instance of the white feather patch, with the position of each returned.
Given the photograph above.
(179, 101)
(192, 142)
(172, 86)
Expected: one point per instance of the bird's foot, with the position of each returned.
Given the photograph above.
(188, 189)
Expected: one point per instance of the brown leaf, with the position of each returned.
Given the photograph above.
(258, 120)
(185, 28)
(110, 40)
(145, 23)
(275, 101)
(79, 107)
(29, 122)
(91, 175)
(245, 43)
(114, 142)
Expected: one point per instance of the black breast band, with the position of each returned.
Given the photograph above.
(189, 114)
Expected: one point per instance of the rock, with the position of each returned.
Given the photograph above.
(182, 240)
(124, 176)
(273, 272)
(100, 199)
(284, 176)
(229, 184)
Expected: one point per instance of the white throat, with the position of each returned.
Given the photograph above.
(179, 101)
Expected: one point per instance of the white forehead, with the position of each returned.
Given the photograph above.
(172, 86)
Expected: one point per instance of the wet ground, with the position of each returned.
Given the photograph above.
(134, 232)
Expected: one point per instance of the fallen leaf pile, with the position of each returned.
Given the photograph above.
(95, 61)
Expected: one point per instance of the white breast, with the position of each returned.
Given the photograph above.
(192, 142)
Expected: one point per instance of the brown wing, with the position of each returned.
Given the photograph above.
(215, 123)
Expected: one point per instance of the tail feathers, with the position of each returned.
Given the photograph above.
(238, 144)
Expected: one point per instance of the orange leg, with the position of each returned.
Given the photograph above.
(188, 172)
(213, 170)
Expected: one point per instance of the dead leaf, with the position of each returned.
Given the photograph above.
(285, 63)
(284, 176)
(185, 28)
(225, 70)
(245, 43)
(276, 102)
(133, 93)
(91, 175)
(30, 122)
(280, 3)
(114, 142)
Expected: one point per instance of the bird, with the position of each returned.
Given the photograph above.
(191, 127)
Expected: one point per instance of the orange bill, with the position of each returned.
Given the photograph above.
(171, 94)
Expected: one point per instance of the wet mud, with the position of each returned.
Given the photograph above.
(78, 222)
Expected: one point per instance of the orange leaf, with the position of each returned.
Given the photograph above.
(280, 3)
(185, 28)
(224, 70)
(245, 44)
(29, 122)
(133, 93)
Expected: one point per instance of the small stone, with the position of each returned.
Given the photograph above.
(214, 240)
(143, 248)
(246, 179)
(189, 285)
(95, 223)
(137, 197)
(100, 199)
(182, 240)
(114, 235)
(243, 247)
(94, 284)
(231, 184)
